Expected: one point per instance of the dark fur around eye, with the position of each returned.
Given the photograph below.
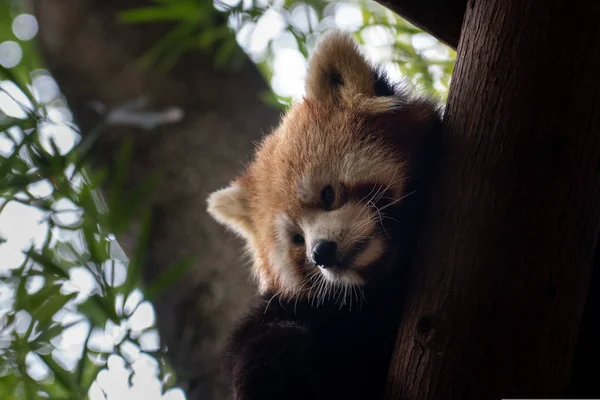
(327, 197)
(298, 239)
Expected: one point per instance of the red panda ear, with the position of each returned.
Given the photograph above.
(339, 75)
(230, 207)
(337, 70)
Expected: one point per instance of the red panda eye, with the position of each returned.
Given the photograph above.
(327, 197)
(298, 239)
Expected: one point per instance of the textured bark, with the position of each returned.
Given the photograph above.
(584, 378)
(93, 58)
(441, 18)
(504, 263)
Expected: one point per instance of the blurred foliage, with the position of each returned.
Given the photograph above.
(200, 26)
(8, 10)
(81, 224)
(94, 223)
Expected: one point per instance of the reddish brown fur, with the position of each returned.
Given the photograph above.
(344, 136)
(322, 133)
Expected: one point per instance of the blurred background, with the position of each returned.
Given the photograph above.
(117, 118)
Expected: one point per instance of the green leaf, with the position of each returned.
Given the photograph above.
(95, 241)
(49, 334)
(31, 59)
(6, 165)
(83, 362)
(82, 151)
(11, 76)
(6, 123)
(172, 40)
(116, 192)
(45, 313)
(19, 182)
(49, 265)
(56, 391)
(88, 371)
(28, 383)
(31, 302)
(8, 385)
(54, 330)
(225, 53)
(136, 262)
(20, 166)
(98, 310)
(7, 322)
(62, 375)
(155, 14)
(272, 100)
(23, 124)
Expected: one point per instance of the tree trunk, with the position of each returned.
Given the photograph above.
(584, 377)
(93, 58)
(503, 266)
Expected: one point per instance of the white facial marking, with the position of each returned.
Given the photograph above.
(370, 254)
(344, 226)
(230, 207)
(343, 277)
(279, 256)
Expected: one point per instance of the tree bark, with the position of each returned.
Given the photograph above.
(584, 377)
(504, 261)
(441, 18)
(93, 58)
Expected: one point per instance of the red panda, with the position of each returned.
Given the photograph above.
(328, 210)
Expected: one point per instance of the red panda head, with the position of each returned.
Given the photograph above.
(316, 204)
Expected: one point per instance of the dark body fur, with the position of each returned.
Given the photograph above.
(293, 350)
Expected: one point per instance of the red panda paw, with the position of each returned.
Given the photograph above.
(277, 362)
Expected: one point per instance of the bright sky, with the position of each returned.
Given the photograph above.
(20, 224)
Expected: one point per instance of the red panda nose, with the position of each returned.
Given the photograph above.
(324, 253)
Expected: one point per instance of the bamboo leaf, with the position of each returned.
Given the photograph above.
(55, 391)
(28, 383)
(116, 191)
(8, 385)
(155, 14)
(83, 362)
(225, 53)
(31, 302)
(11, 76)
(136, 262)
(49, 265)
(62, 375)
(98, 311)
(45, 313)
(54, 330)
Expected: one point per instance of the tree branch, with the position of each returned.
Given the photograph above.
(441, 18)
